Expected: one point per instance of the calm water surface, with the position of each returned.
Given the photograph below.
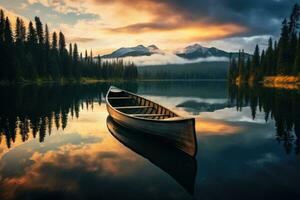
(55, 144)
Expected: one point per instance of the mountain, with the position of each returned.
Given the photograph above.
(139, 50)
(197, 51)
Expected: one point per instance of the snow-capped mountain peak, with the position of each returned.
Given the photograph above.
(139, 50)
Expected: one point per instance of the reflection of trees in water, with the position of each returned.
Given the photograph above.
(281, 105)
(38, 110)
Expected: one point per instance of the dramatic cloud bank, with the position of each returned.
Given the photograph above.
(103, 25)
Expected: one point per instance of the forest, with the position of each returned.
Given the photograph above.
(31, 53)
(280, 58)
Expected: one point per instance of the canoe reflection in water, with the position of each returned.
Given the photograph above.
(176, 163)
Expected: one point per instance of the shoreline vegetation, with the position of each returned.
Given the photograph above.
(277, 66)
(31, 54)
(63, 81)
(282, 82)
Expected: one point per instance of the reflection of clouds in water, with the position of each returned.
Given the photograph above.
(266, 158)
(216, 127)
(231, 114)
(89, 162)
(177, 100)
(173, 102)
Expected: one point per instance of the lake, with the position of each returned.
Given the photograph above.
(55, 144)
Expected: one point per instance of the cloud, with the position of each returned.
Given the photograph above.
(81, 39)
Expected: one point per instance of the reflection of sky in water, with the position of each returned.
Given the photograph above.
(238, 158)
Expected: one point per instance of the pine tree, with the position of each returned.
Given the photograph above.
(54, 58)
(283, 49)
(294, 19)
(20, 35)
(255, 63)
(2, 28)
(31, 52)
(91, 57)
(47, 51)
(76, 61)
(292, 52)
(9, 51)
(70, 50)
(296, 69)
(269, 58)
(63, 55)
(262, 69)
(39, 30)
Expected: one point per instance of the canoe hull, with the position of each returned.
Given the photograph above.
(179, 133)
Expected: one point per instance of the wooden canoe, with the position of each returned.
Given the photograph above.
(179, 165)
(135, 112)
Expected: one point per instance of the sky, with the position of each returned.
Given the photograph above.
(105, 25)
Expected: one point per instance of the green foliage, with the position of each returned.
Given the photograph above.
(34, 56)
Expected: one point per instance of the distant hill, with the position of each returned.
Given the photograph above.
(139, 50)
(201, 70)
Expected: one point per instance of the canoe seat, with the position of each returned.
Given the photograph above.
(119, 98)
(132, 107)
(149, 115)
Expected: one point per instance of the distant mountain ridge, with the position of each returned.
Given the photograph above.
(197, 51)
(190, 52)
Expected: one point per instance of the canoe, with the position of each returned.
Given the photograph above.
(179, 165)
(138, 113)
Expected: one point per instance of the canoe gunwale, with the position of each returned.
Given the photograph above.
(170, 120)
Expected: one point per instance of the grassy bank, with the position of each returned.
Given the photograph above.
(285, 82)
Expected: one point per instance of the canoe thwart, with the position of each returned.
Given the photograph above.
(149, 115)
(119, 98)
(133, 107)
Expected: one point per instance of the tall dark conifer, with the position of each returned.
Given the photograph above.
(31, 50)
(255, 63)
(296, 68)
(2, 28)
(76, 61)
(9, 51)
(283, 49)
(54, 59)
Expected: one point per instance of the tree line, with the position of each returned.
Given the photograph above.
(32, 53)
(281, 57)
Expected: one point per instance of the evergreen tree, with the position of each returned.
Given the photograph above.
(2, 25)
(2, 28)
(283, 49)
(269, 58)
(54, 58)
(31, 52)
(63, 54)
(8, 53)
(255, 63)
(39, 30)
(70, 50)
(294, 19)
(47, 51)
(76, 61)
(296, 69)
